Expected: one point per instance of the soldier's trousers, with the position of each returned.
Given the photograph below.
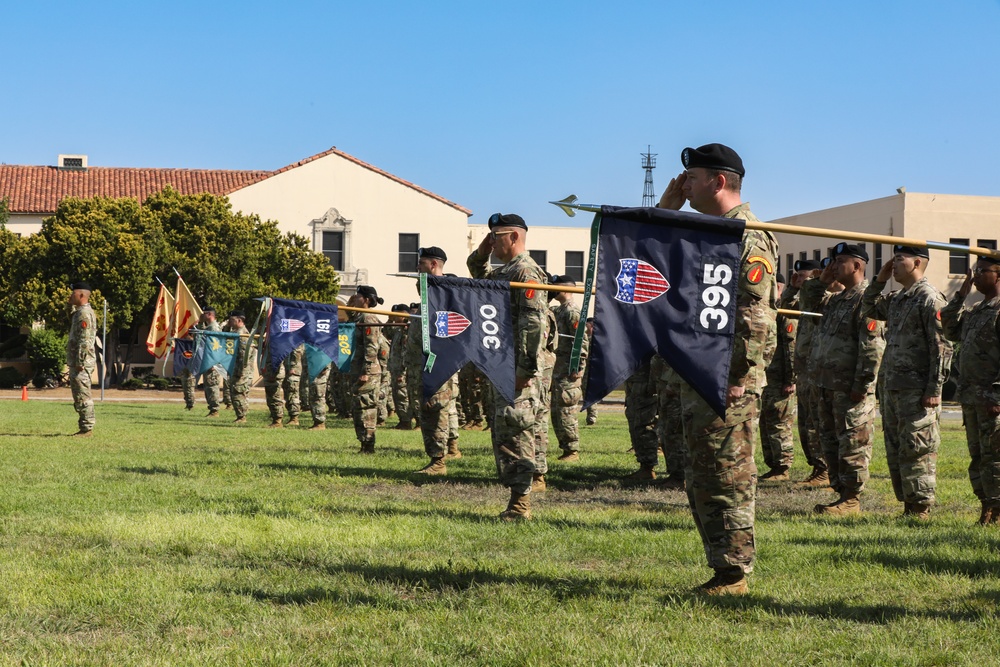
(211, 380)
(317, 396)
(513, 435)
(983, 434)
(542, 409)
(777, 419)
(808, 418)
(83, 401)
(640, 412)
(566, 397)
(241, 396)
(401, 397)
(290, 388)
(189, 382)
(471, 382)
(436, 417)
(384, 397)
(846, 430)
(273, 380)
(670, 429)
(364, 408)
(227, 391)
(912, 438)
(721, 478)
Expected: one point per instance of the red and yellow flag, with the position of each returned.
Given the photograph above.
(158, 340)
(187, 312)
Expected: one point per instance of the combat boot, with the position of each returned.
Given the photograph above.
(276, 423)
(538, 484)
(518, 509)
(453, 452)
(819, 479)
(240, 420)
(920, 511)
(212, 413)
(644, 475)
(985, 513)
(318, 426)
(725, 582)
(435, 467)
(846, 505)
(569, 456)
(992, 516)
(674, 482)
(367, 448)
(404, 426)
(83, 434)
(294, 421)
(778, 474)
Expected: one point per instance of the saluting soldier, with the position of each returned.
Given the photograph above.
(847, 351)
(978, 330)
(914, 368)
(81, 355)
(567, 389)
(513, 425)
(721, 479)
(366, 367)
(777, 411)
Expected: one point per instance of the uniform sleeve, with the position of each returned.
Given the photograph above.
(786, 338)
(871, 345)
(371, 347)
(576, 321)
(938, 348)
(88, 338)
(478, 265)
(754, 328)
(811, 295)
(874, 304)
(530, 327)
(951, 318)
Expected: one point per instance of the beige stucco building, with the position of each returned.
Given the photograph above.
(958, 219)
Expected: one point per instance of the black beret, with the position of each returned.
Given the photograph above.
(561, 280)
(911, 250)
(989, 259)
(80, 285)
(850, 250)
(779, 278)
(433, 252)
(825, 262)
(414, 306)
(369, 292)
(238, 313)
(507, 220)
(806, 265)
(713, 156)
(209, 309)
(400, 308)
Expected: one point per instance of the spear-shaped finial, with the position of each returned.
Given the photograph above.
(570, 207)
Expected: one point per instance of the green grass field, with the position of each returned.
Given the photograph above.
(170, 539)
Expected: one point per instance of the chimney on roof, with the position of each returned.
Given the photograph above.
(73, 162)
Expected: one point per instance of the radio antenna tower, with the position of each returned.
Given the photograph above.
(649, 164)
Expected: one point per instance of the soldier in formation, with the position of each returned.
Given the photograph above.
(243, 373)
(366, 367)
(81, 355)
(471, 385)
(777, 411)
(547, 362)
(567, 382)
(396, 365)
(213, 376)
(286, 378)
(669, 422)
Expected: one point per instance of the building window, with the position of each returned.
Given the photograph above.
(817, 255)
(878, 259)
(574, 265)
(958, 260)
(333, 249)
(791, 262)
(540, 257)
(987, 243)
(803, 256)
(409, 252)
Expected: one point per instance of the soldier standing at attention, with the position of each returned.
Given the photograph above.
(566, 385)
(385, 405)
(592, 409)
(978, 331)
(721, 478)
(397, 367)
(641, 409)
(669, 422)
(847, 350)
(777, 411)
(513, 425)
(435, 411)
(243, 373)
(366, 367)
(212, 376)
(546, 364)
(914, 368)
(81, 356)
(290, 386)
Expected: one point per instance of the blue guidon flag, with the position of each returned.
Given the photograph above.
(469, 320)
(293, 323)
(639, 282)
(666, 284)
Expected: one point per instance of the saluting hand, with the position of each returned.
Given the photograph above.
(885, 273)
(486, 245)
(966, 284)
(673, 196)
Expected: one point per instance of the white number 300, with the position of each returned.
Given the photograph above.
(715, 297)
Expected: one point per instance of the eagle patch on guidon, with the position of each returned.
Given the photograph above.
(639, 282)
(448, 323)
(287, 326)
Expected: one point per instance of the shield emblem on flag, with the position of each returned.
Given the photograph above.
(639, 282)
(448, 324)
(288, 326)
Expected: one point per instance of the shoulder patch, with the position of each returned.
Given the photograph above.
(938, 315)
(755, 273)
(83, 324)
(530, 293)
(368, 331)
(871, 326)
(763, 261)
(790, 328)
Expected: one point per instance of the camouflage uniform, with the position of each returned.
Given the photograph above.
(914, 366)
(669, 421)
(189, 383)
(978, 331)
(242, 374)
(777, 411)
(513, 425)
(846, 352)
(437, 417)
(227, 382)
(591, 409)
(721, 477)
(397, 372)
(807, 398)
(81, 357)
(567, 392)
(641, 407)
(546, 364)
(212, 378)
(470, 391)
(366, 361)
(317, 392)
(293, 379)
(285, 377)
(385, 406)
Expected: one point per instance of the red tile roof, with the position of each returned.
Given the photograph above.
(38, 190)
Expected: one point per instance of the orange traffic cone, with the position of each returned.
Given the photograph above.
(24, 392)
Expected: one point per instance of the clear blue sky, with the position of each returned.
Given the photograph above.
(505, 105)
